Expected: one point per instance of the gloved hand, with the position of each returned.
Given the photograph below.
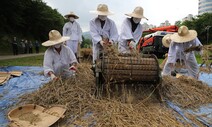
(132, 45)
(73, 68)
(102, 43)
(53, 77)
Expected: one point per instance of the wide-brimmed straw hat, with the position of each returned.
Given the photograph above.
(166, 40)
(102, 9)
(72, 14)
(137, 13)
(184, 35)
(55, 38)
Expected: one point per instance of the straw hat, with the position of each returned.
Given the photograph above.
(55, 38)
(184, 35)
(166, 40)
(102, 9)
(137, 13)
(72, 14)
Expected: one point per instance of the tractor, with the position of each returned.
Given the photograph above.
(152, 43)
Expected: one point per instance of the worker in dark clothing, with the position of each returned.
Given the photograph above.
(15, 46)
(37, 45)
(30, 47)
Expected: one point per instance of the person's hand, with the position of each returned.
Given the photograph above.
(102, 43)
(171, 65)
(53, 77)
(73, 68)
(110, 43)
(132, 45)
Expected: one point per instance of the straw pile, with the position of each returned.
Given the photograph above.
(86, 53)
(186, 92)
(84, 109)
(122, 105)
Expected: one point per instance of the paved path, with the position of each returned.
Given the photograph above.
(6, 57)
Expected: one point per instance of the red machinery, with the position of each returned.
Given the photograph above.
(172, 28)
(152, 43)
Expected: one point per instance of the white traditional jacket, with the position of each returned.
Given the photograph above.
(176, 51)
(58, 63)
(109, 31)
(127, 34)
(73, 30)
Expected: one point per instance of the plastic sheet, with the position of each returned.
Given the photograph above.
(207, 78)
(204, 113)
(30, 80)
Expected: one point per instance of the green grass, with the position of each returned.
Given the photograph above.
(198, 58)
(38, 61)
(26, 61)
(160, 60)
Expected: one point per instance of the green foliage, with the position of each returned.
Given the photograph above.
(177, 23)
(86, 43)
(27, 19)
(199, 24)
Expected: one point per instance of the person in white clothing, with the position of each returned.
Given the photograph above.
(181, 41)
(131, 31)
(74, 31)
(59, 60)
(102, 29)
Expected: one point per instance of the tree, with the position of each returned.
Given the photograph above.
(199, 24)
(28, 19)
(86, 43)
(177, 23)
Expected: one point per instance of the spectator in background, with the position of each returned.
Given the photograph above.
(74, 31)
(30, 47)
(15, 46)
(131, 31)
(26, 47)
(22, 46)
(37, 46)
(59, 60)
(102, 29)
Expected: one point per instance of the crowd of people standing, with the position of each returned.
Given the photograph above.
(24, 46)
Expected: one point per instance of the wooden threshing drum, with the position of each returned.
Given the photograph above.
(130, 69)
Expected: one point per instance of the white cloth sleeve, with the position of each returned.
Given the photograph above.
(47, 63)
(94, 33)
(113, 32)
(65, 29)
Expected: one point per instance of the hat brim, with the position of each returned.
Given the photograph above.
(75, 16)
(102, 13)
(164, 40)
(136, 16)
(181, 39)
(55, 42)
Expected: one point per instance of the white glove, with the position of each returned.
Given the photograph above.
(132, 45)
(53, 77)
(102, 43)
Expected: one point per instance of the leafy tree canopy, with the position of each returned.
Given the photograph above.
(28, 19)
(200, 24)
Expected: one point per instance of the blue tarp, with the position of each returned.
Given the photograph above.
(31, 80)
(204, 113)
